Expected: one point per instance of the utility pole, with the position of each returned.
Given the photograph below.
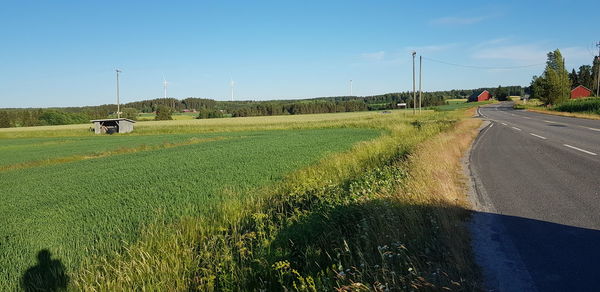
(414, 92)
(598, 73)
(420, 88)
(351, 87)
(232, 85)
(118, 101)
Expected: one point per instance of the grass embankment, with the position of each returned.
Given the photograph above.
(587, 108)
(386, 215)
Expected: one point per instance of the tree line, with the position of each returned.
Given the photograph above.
(586, 75)
(209, 108)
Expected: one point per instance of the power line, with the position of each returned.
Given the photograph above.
(483, 67)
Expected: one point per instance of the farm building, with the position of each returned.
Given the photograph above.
(480, 96)
(580, 91)
(112, 126)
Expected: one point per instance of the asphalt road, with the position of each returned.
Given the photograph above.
(537, 182)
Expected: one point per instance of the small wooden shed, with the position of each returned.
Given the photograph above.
(112, 126)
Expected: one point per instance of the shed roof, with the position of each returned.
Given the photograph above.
(113, 120)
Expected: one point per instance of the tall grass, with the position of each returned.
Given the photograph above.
(385, 215)
(581, 105)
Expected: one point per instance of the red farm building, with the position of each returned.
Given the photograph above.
(580, 92)
(480, 96)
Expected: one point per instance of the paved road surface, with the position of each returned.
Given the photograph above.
(537, 181)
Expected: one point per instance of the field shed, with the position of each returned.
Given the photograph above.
(480, 96)
(112, 126)
(580, 91)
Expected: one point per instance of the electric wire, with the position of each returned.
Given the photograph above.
(484, 67)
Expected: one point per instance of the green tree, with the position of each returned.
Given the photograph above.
(574, 78)
(5, 120)
(584, 76)
(163, 112)
(130, 113)
(537, 87)
(556, 79)
(501, 94)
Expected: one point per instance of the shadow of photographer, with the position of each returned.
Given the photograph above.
(47, 275)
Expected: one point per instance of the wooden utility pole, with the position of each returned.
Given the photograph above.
(118, 101)
(598, 72)
(414, 90)
(420, 88)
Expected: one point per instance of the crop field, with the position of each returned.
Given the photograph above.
(92, 206)
(21, 152)
(178, 204)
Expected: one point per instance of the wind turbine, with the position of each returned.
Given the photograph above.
(232, 84)
(165, 85)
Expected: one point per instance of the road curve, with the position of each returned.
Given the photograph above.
(537, 182)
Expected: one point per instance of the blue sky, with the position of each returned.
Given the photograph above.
(63, 53)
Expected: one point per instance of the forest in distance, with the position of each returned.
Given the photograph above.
(210, 108)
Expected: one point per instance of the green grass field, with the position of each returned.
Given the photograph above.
(93, 206)
(456, 104)
(176, 116)
(217, 204)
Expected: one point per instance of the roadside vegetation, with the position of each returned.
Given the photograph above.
(245, 206)
(578, 108)
(551, 91)
(583, 105)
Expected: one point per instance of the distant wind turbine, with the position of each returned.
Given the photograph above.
(165, 85)
(232, 84)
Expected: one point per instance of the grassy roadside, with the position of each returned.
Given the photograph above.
(386, 215)
(560, 110)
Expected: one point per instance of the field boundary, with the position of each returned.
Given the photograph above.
(119, 151)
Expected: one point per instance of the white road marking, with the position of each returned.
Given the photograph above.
(541, 137)
(491, 125)
(579, 149)
(516, 128)
(513, 115)
(548, 121)
(527, 118)
(504, 124)
(594, 129)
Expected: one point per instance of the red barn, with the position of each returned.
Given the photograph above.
(580, 91)
(480, 96)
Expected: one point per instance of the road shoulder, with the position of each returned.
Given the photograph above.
(499, 260)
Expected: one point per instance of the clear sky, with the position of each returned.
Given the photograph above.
(63, 53)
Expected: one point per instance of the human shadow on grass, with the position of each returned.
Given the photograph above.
(47, 275)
